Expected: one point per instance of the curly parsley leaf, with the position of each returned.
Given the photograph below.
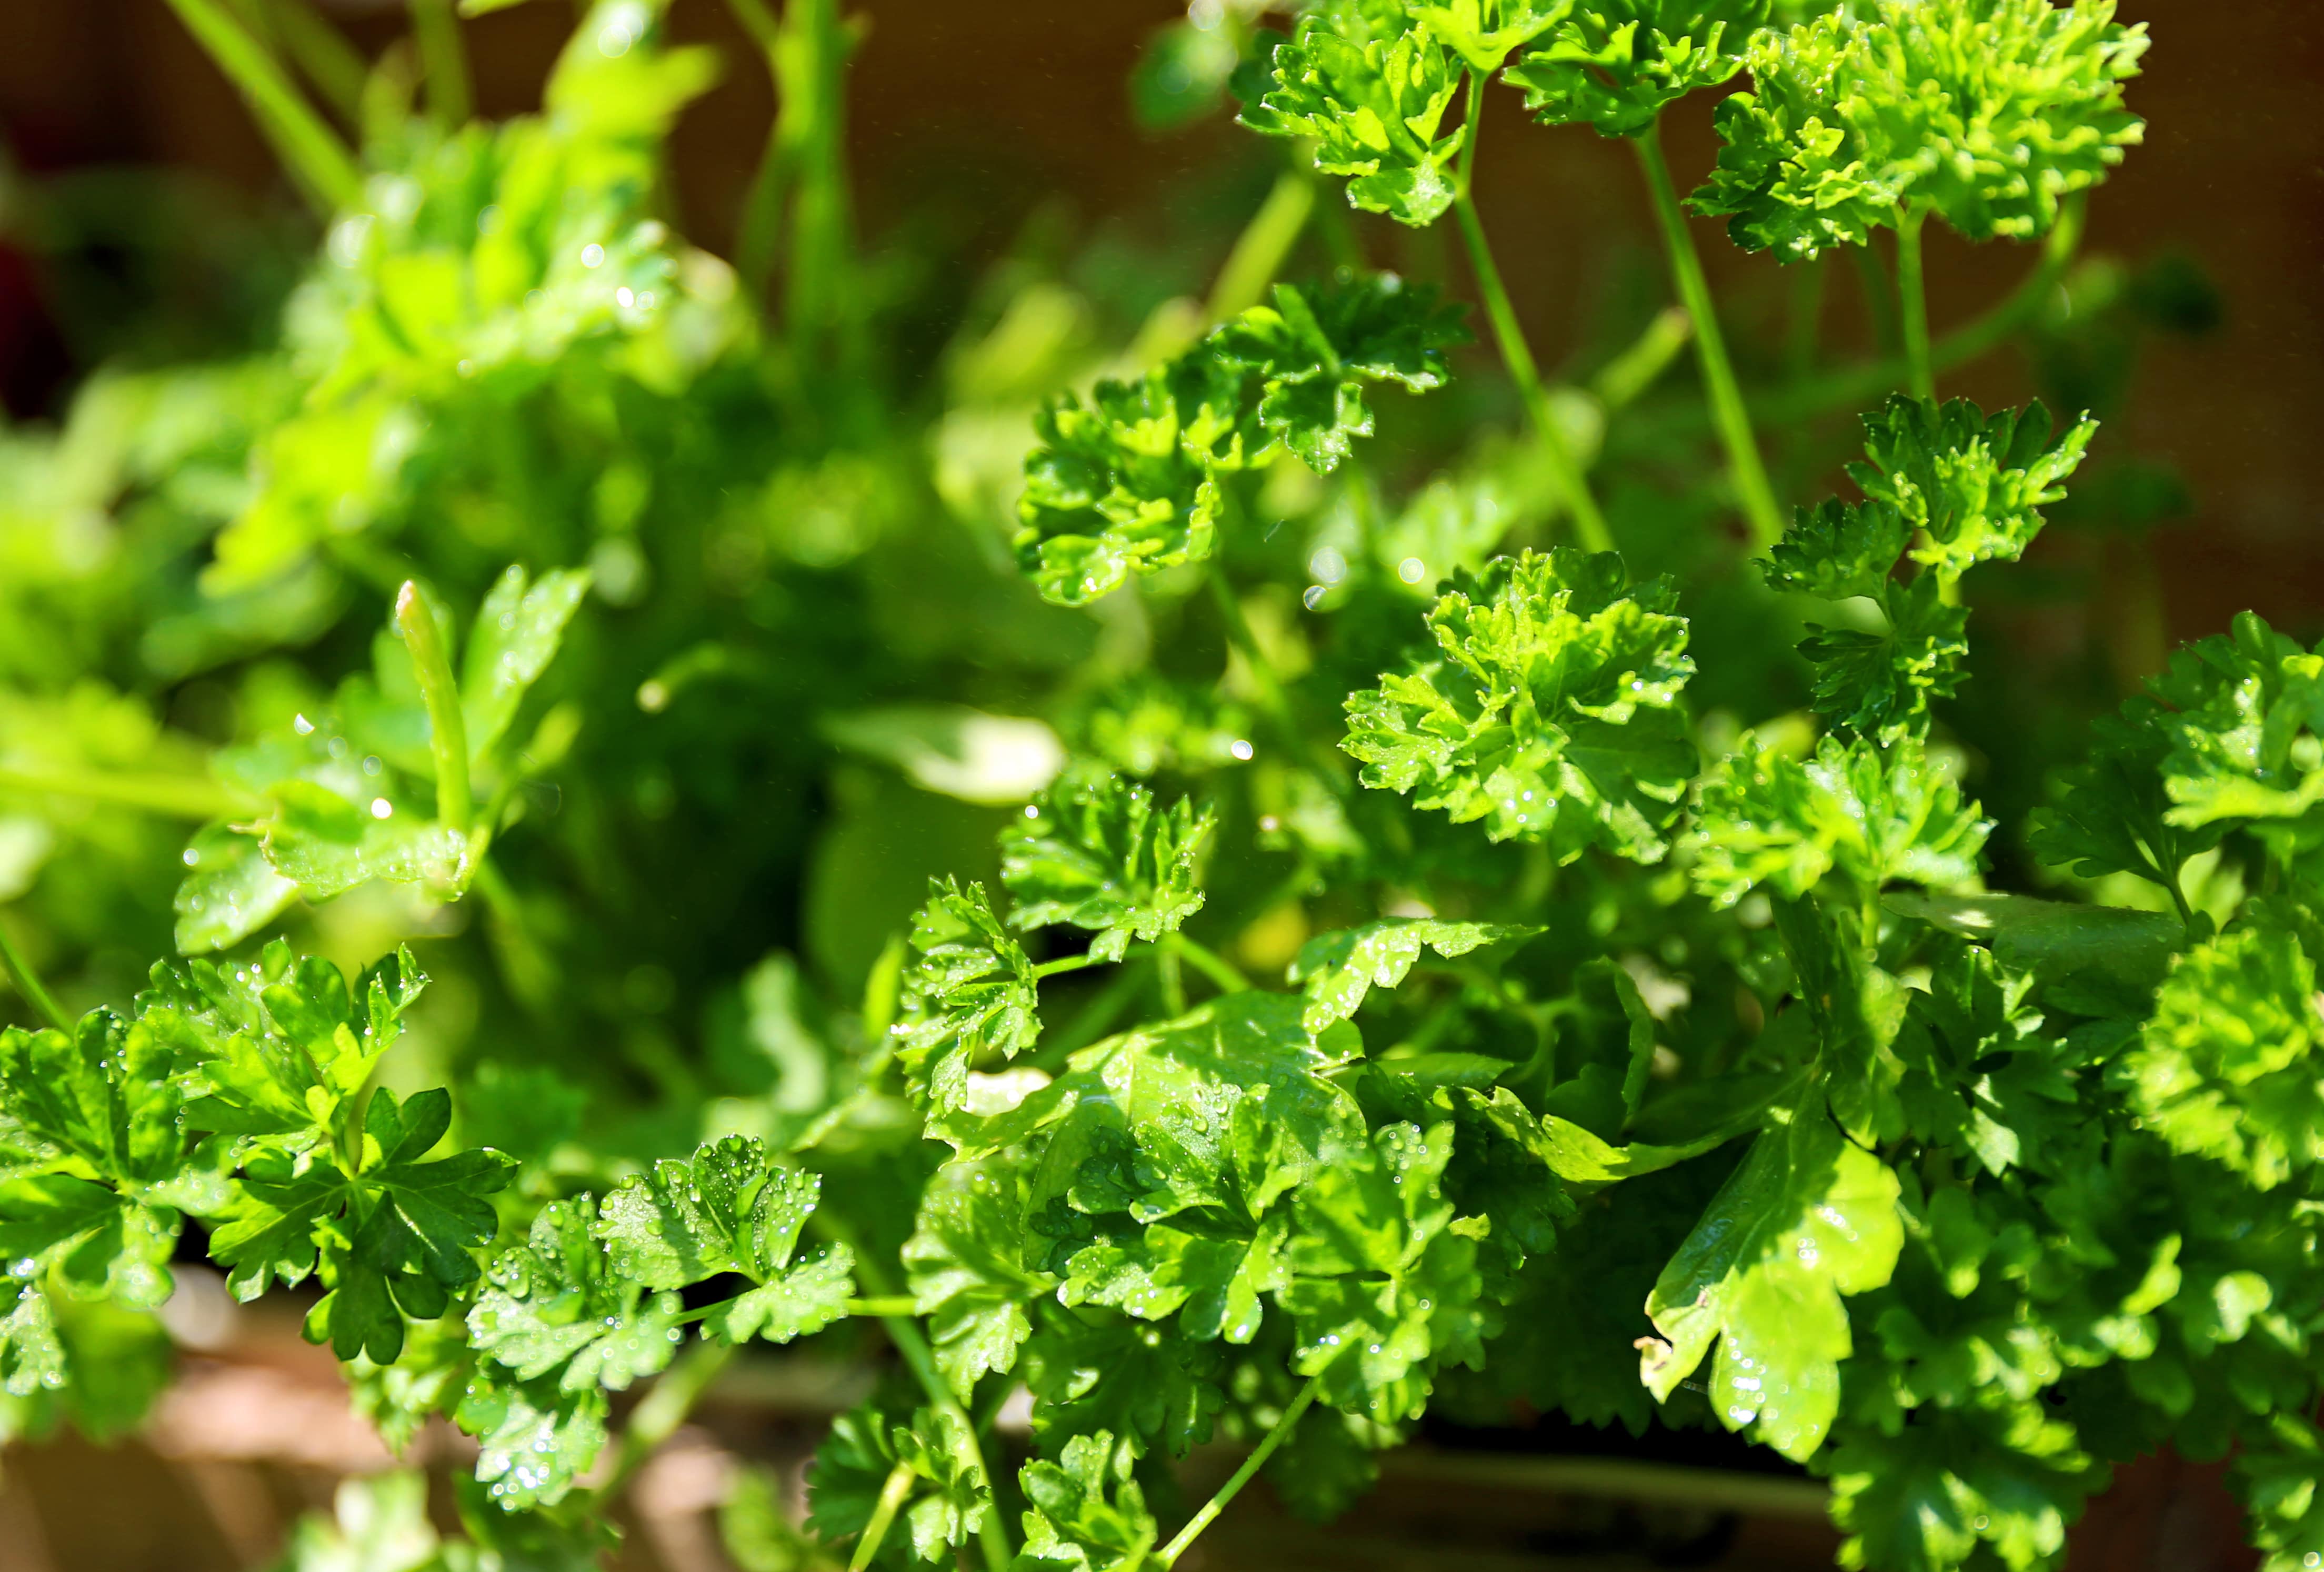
(947, 1499)
(1095, 853)
(1614, 64)
(2223, 1069)
(1339, 969)
(1084, 1511)
(973, 1266)
(1974, 484)
(1872, 814)
(1385, 1282)
(1370, 88)
(1312, 351)
(1127, 483)
(2113, 815)
(1486, 32)
(1807, 1218)
(969, 995)
(1552, 713)
(727, 1209)
(1879, 684)
(1839, 550)
(2245, 714)
(1988, 113)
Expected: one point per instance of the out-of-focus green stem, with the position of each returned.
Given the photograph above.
(323, 56)
(1207, 961)
(1912, 303)
(181, 796)
(447, 728)
(312, 153)
(1727, 411)
(1589, 523)
(444, 59)
(663, 1408)
(28, 983)
(1260, 250)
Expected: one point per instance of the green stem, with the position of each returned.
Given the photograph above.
(1069, 963)
(311, 151)
(1734, 422)
(1271, 696)
(1879, 300)
(662, 1410)
(447, 728)
(1173, 980)
(1620, 380)
(1207, 961)
(811, 62)
(762, 208)
(1912, 303)
(1169, 1554)
(323, 56)
(28, 983)
(181, 797)
(444, 62)
(1260, 250)
(891, 1498)
(1589, 523)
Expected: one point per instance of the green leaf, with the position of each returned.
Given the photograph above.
(1839, 550)
(1384, 1284)
(1807, 1218)
(1879, 684)
(378, 1523)
(232, 892)
(1093, 1371)
(1552, 713)
(1614, 64)
(516, 634)
(1763, 817)
(969, 995)
(1341, 967)
(2007, 1476)
(2245, 713)
(970, 1265)
(1084, 1510)
(1093, 852)
(556, 1306)
(2223, 1071)
(1127, 483)
(1987, 111)
(2109, 953)
(534, 1438)
(2113, 813)
(1485, 32)
(1314, 351)
(1371, 88)
(1974, 485)
(948, 1499)
(2275, 1473)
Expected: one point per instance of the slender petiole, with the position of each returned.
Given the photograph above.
(28, 983)
(1589, 523)
(447, 728)
(310, 149)
(1727, 410)
(444, 58)
(1260, 250)
(1169, 1554)
(1207, 961)
(883, 1512)
(1912, 303)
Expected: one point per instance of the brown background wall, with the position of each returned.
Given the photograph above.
(1003, 106)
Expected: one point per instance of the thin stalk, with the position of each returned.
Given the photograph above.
(1589, 523)
(662, 1410)
(1207, 961)
(447, 728)
(1748, 474)
(323, 55)
(1271, 696)
(444, 62)
(181, 796)
(1169, 1554)
(762, 208)
(1879, 300)
(1260, 250)
(1912, 303)
(1068, 963)
(28, 983)
(1174, 983)
(310, 149)
(811, 65)
(891, 1498)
